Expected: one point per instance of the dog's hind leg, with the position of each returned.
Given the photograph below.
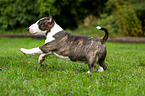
(102, 66)
(92, 65)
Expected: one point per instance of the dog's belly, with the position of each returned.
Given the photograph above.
(72, 58)
(76, 58)
(61, 56)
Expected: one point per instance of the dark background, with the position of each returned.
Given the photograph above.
(129, 15)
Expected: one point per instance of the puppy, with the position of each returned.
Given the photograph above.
(67, 46)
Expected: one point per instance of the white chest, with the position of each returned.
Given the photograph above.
(56, 28)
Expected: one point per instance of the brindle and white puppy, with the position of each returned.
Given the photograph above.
(67, 46)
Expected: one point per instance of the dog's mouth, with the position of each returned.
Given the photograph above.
(35, 33)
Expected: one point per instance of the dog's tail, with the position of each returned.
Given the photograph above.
(106, 34)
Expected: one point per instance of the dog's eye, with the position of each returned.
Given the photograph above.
(39, 23)
(43, 26)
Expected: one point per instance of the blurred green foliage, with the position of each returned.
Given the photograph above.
(14, 13)
(19, 13)
(125, 17)
(70, 13)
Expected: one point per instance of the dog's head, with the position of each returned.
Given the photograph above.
(42, 26)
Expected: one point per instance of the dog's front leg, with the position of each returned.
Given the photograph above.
(32, 51)
(42, 57)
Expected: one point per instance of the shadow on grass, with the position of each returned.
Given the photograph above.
(78, 68)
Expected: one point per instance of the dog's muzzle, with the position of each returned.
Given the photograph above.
(34, 29)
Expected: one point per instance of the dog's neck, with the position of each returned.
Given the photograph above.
(55, 29)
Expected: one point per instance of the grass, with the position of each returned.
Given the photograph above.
(15, 31)
(21, 75)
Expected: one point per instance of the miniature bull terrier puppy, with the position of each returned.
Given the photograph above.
(67, 46)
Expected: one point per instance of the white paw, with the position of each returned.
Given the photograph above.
(100, 69)
(26, 51)
(23, 50)
(88, 72)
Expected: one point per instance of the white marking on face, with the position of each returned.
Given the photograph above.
(55, 29)
(100, 69)
(34, 29)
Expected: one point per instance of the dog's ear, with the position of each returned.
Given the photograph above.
(50, 17)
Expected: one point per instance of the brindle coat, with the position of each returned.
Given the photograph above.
(78, 48)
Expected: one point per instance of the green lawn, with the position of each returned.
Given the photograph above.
(21, 75)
